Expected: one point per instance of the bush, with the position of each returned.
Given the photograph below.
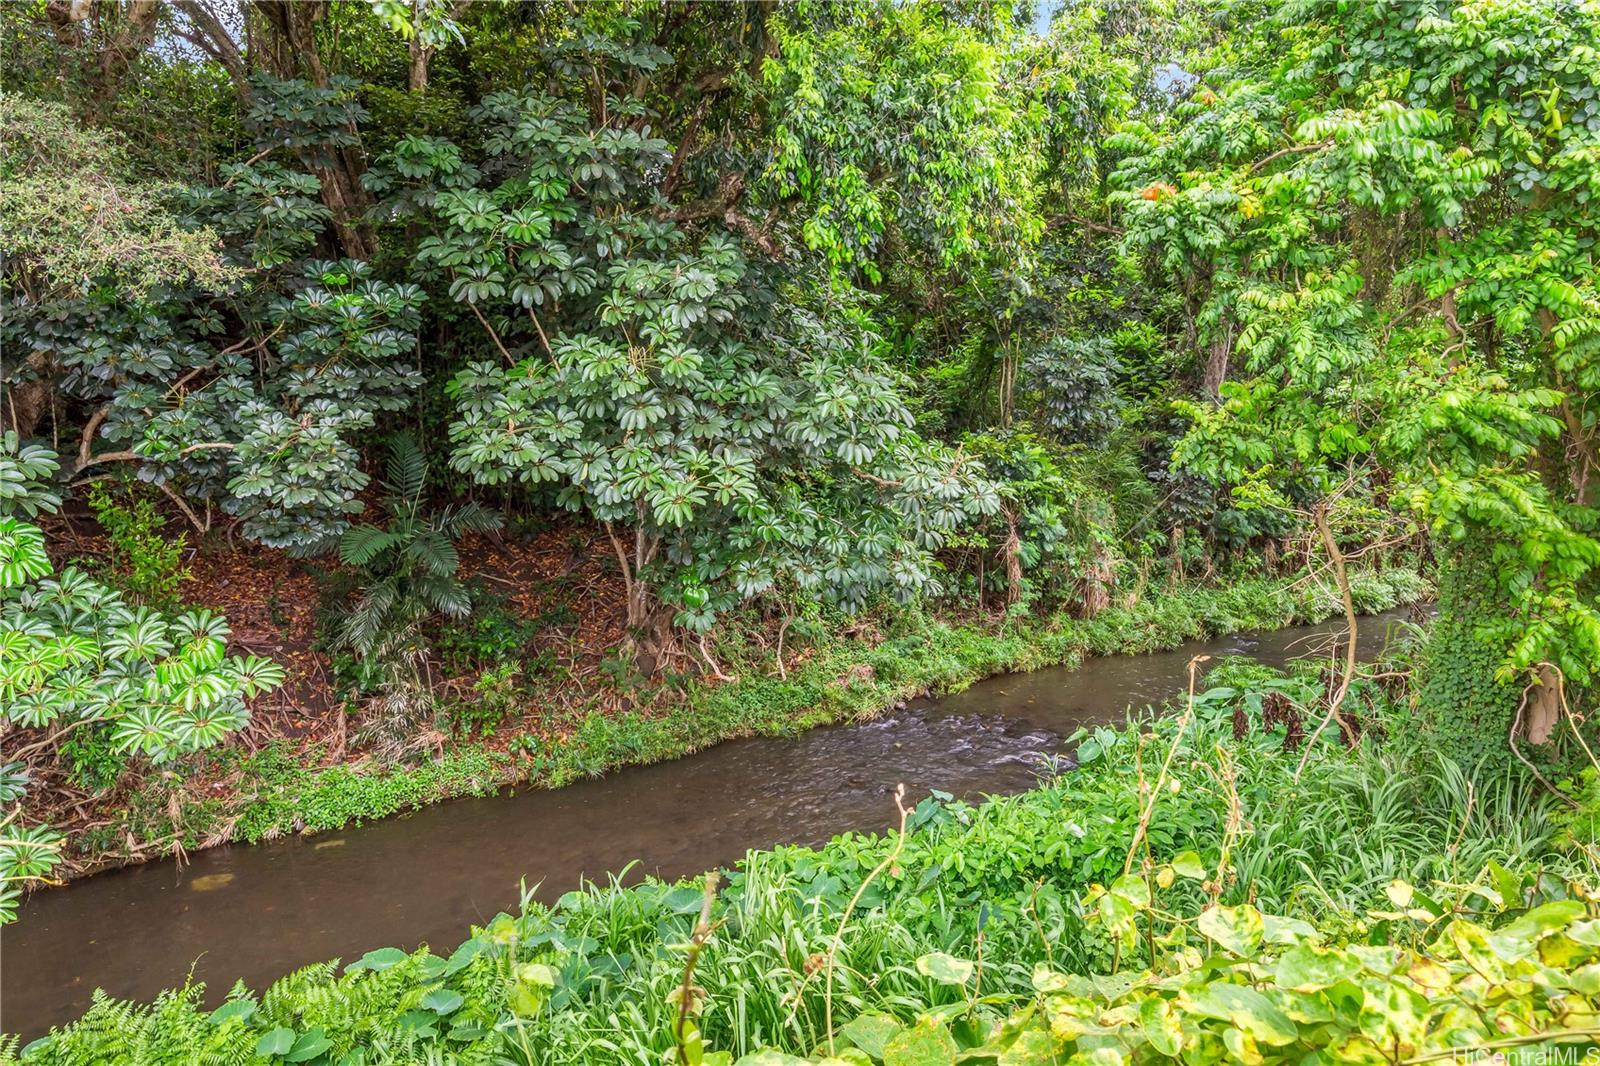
(144, 563)
(489, 637)
(1332, 858)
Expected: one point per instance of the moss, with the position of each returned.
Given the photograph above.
(1465, 711)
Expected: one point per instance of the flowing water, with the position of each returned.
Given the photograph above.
(257, 912)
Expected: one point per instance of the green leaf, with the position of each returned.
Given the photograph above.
(1238, 929)
(770, 1057)
(378, 960)
(312, 1042)
(1188, 864)
(928, 1043)
(946, 969)
(1161, 1026)
(1544, 919)
(234, 1008)
(1244, 1007)
(1032, 1047)
(1133, 889)
(462, 956)
(1308, 968)
(1286, 931)
(870, 1032)
(276, 1042)
(534, 980)
(443, 1000)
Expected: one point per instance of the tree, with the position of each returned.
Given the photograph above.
(105, 37)
(897, 117)
(79, 227)
(730, 430)
(1388, 214)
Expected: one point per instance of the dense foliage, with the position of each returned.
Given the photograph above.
(816, 354)
(685, 271)
(1409, 912)
(74, 655)
(1382, 222)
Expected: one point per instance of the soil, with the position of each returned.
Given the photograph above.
(562, 575)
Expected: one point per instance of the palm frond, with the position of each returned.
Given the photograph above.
(446, 595)
(365, 622)
(407, 469)
(467, 518)
(434, 551)
(361, 544)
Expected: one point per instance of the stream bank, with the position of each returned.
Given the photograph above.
(422, 877)
(280, 791)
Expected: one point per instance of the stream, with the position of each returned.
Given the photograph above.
(258, 912)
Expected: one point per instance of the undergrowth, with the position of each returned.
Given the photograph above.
(950, 920)
(844, 678)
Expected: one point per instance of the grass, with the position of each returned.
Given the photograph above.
(1012, 870)
(277, 793)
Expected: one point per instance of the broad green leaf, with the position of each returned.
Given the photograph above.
(1244, 1007)
(1308, 968)
(1161, 1026)
(946, 969)
(378, 960)
(279, 1041)
(870, 1032)
(234, 1008)
(442, 1000)
(1134, 889)
(311, 1043)
(927, 1043)
(1238, 929)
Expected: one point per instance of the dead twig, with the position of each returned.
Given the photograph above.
(844, 919)
(1166, 765)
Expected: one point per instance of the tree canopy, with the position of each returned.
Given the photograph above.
(804, 314)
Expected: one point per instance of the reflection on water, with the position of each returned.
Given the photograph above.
(257, 912)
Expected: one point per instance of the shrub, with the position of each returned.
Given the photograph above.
(74, 654)
(490, 636)
(1360, 859)
(144, 563)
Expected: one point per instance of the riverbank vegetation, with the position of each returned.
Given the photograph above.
(402, 400)
(1197, 882)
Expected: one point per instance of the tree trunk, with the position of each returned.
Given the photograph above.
(417, 78)
(293, 53)
(1544, 707)
(113, 34)
(27, 401)
(1217, 360)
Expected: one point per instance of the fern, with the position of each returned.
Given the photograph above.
(407, 469)
(409, 564)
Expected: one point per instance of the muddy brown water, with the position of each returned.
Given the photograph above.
(258, 912)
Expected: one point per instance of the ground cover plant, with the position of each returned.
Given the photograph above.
(403, 400)
(1339, 907)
